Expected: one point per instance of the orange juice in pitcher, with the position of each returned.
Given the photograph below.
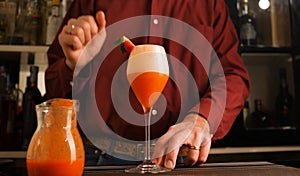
(56, 147)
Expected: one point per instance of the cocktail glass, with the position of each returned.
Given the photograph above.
(147, 73)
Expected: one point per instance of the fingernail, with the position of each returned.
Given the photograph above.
(169, 164)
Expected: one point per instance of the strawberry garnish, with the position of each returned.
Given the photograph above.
(126, 44)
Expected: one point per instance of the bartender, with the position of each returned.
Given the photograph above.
(207, 88)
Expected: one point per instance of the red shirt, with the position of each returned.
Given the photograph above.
(209, 18)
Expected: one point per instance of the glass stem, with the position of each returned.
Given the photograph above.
(147, 135)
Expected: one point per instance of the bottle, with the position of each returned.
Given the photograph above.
(54, 21)
(31, 97)
(19, 118)
(11, 7)
(21, 18)
(65, 4)
(247, 25)
(8, 107)
(284, 100)
(46, 12)
(259, 118)
(33, 24)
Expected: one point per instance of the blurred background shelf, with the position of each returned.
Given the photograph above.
(23, 48)
(18, 58)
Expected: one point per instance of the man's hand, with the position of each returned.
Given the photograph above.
(193, 132)
(77, 33)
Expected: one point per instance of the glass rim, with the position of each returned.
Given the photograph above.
(48, 104)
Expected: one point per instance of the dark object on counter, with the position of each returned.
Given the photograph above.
(259, 118)
(31, 97)
(5, 161)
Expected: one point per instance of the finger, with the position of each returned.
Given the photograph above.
(84, 28)
(170, 159)
(81, 31)
(70, 41)
(90, 24)
(204, 152)
(172, 148)
(67, 40)
(100, 19)
(162, 143)
(192, 157)
(159, 160)
(193, 153)
(74, 29)
(167, 147)
(159, 150)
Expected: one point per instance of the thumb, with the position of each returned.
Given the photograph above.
(100, 19)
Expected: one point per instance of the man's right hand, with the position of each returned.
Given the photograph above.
(77, 33)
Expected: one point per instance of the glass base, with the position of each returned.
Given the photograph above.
(147, 167)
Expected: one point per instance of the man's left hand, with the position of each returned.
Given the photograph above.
(194, 133)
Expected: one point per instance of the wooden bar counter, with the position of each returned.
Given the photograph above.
(258, 161)
(261, 168)
(215, 169)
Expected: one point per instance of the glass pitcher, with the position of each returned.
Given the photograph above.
(56, 147)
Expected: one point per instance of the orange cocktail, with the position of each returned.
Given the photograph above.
(147, 73)
(146, 93)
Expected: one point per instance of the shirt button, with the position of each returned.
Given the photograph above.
(154, 112)
(155, 21)
(96, 152)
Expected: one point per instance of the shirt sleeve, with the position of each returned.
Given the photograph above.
(225, 44)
